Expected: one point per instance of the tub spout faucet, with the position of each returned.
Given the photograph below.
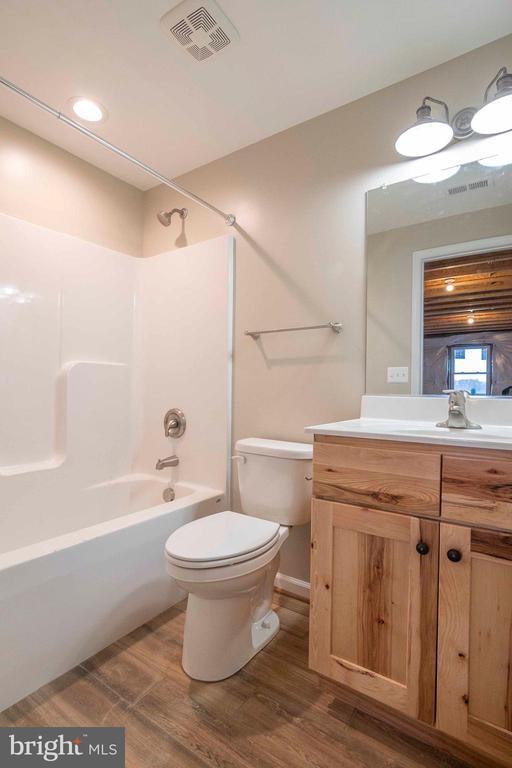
(170, 461)
(457, 418)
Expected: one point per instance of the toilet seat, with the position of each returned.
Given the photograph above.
(219, 540)
(221, 572)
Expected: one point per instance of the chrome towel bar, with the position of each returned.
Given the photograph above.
(333, 325)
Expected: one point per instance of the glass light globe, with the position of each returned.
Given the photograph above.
(494, 117)
(424, 138)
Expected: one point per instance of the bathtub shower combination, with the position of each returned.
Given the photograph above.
(96, 347)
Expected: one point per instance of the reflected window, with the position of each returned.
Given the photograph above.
(469, 367)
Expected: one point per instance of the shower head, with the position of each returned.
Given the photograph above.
(164, 217)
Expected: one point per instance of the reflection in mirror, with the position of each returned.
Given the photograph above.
(467, 324)
(439, 290)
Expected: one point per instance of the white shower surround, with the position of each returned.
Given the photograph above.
(95, 346)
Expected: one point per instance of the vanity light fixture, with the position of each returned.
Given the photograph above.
(88, 110)
(496, 114)
(428, 134)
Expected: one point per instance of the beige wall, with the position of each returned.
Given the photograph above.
(300, 201)
(46, 185)
(389, 278)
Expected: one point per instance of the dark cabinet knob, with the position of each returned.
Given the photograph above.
(454, 555)
(422, 548)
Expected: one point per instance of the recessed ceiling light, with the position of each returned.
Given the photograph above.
(89, 110)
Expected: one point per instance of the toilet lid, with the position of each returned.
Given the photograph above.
(221, 536)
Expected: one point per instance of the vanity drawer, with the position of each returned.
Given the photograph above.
(477, 490)
(393, 479)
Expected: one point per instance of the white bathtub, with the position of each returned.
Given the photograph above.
(64, 598)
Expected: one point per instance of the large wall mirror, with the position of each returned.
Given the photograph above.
(439, 311)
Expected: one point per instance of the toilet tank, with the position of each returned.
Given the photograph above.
(274, 478)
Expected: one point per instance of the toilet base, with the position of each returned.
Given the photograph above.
(229, 614)
(228, 622)
(263, 631)
(212, 667)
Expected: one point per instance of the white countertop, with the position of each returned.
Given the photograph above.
(490, 436)
(413, 419)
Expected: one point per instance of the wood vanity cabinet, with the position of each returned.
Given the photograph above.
(374, 604)
(413, 607)
(474, 690)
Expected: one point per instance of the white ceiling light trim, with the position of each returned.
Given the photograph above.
(89, 110)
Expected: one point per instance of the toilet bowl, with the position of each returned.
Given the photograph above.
(227, 562)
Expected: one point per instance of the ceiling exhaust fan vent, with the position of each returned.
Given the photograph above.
(466, 187)
(200, 27)
(479, 184)
(458, 190)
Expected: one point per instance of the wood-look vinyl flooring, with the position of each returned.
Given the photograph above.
(275, 713)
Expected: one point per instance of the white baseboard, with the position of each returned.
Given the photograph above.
(294, 586)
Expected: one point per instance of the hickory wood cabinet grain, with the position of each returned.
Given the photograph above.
(477, 490)
(374, 607)
(474, 692)
(430, 634)
(370, 474)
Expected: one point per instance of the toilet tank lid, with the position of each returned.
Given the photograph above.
(279, 448)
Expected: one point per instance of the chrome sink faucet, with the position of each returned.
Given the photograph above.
(457, 418)
(170, 461)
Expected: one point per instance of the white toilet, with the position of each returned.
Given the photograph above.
(227, 562)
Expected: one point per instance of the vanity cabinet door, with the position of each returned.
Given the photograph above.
(374, 582)
(475, 638)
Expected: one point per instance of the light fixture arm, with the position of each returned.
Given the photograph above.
(500, 72)
(437, 101)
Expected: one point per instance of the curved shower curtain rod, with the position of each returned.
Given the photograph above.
(229, 218)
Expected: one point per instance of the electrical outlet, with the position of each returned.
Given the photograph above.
(398, 375)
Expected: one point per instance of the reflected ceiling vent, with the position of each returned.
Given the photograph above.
(201, 28)
(466, 187)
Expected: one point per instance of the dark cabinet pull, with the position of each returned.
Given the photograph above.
(422, 548)
(454, 555)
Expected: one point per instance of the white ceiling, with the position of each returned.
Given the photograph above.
(295, 60)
